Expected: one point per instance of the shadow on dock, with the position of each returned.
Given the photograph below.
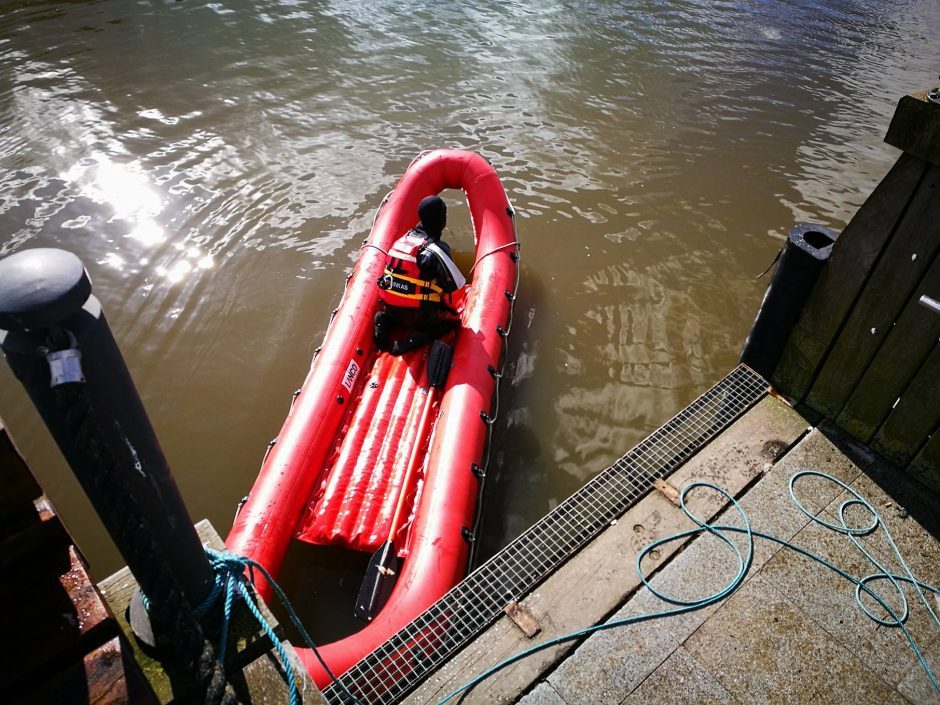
(68, 647)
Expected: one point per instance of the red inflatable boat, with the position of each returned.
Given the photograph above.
(336, 472)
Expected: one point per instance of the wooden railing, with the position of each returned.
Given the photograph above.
(865, 351)
(63, 645)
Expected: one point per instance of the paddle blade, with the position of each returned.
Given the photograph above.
(439, 361)
(378, 582)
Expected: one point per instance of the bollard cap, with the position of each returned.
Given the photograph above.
(813, 239)
(40, 288)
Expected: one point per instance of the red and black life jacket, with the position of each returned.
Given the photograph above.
(402, 284)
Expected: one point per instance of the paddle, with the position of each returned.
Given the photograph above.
(384, 565)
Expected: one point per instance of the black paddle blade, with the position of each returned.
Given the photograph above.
(439, 360)
(378, 582)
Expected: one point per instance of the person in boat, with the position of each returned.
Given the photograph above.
(417, 282)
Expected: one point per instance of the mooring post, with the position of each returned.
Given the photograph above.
(54, 335)
(800, 261)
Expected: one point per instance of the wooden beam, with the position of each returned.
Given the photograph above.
(105, 675)
(67, 645)
(904, 350)
(18, 488)
(853, 255)
(915, 417)
(926, 465)
(915, 127)
(55, 613)
(892, 282)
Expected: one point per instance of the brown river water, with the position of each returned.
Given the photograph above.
(217, 165)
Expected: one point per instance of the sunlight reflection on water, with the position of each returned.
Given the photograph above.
(217, 165)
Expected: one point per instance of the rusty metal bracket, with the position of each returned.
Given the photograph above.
(777, 395)
(523, 619)
(667, 491)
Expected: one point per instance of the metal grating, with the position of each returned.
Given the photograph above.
(395, 668)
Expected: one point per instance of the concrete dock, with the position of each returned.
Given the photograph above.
(791, 633)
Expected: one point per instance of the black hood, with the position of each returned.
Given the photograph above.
(433, 214)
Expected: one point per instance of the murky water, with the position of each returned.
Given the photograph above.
(216, 166)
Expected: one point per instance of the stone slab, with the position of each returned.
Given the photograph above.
(829, 600)
(703, 568)
(543, 694)
(916, 687)
(707, 566)
(592, 585)
(681, 680)
(612, 663)
(791, 632)
(763, 649)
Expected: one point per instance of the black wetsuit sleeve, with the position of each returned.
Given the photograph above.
(431, 267)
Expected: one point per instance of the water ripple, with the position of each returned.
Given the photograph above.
(217, 164)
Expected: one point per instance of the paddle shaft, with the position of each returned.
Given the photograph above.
(412, 464)
(384, 565)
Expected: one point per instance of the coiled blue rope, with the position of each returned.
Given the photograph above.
(231, 581)
(745, 559)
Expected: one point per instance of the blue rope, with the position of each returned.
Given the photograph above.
(230, 579)
(744, 564)
(854, 534)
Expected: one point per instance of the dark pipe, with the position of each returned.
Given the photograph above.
(801, 260)
(46, 303)
(930, 303)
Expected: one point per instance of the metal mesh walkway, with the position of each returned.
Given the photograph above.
(394, 669)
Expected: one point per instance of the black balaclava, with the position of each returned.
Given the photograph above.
(433, 214)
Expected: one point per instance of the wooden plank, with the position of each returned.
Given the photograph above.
(57, 615)
(105, 676)
(261, 682)
(915, 417)
(68, 646)
(926, 465)
(41, 538)
(906, 347)
(853, 255)
(591, 585)
(893, 281)
(18, 489)
(915, 127)
(523, 619)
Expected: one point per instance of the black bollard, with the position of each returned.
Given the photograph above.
(801, 260)
(55, 337)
